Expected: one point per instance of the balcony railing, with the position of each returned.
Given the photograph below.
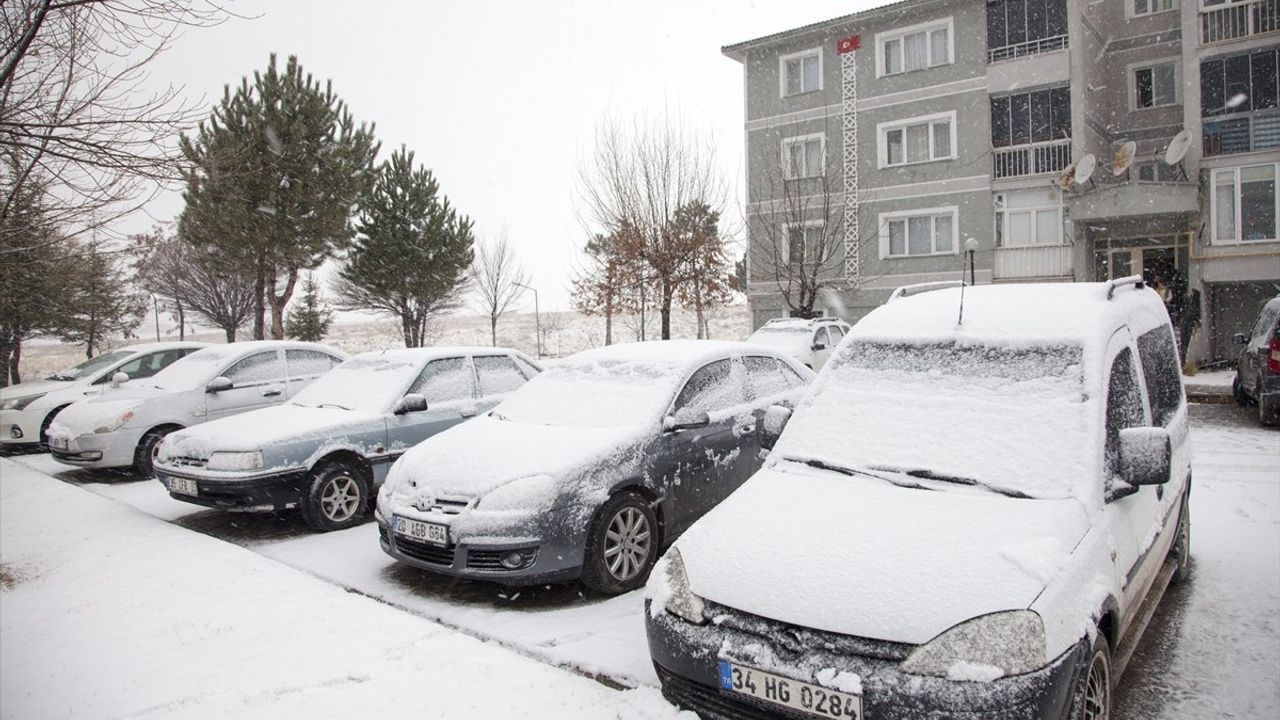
(1033, 261)
(1247, 132)
(1046, 157)
(1030, 47)
(1239, 19)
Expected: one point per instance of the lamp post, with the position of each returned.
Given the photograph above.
(537, 318)
(971, 246)
(155, 304)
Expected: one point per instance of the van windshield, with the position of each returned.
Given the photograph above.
(1012, 417)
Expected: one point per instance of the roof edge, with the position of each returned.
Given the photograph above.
(739, 50)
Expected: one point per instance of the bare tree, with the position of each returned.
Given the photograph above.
(498, 278)
(190, 280)
(75, 115)
(634, 186)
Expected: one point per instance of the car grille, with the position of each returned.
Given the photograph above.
(791, 640)
(710, 704)
(433, 554)
(185, 462)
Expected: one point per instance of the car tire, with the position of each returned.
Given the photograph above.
(44, 426)
(1093, 695)
(1181, 550)
(336, 496)
(1266, 411)
(1237, 392)
(145, 454)
(622, 545)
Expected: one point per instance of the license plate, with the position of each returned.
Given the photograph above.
(184, 486)
(810, 699)
(58, 443)
(422, 531)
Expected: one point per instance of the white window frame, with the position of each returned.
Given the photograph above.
(1130, 9)
(788, 142)
(1003, 211)
(1132, 75)
(804, 226)
(884, 38)
(882, 139)
(1239, 217)
(782, 71)
(884, 219)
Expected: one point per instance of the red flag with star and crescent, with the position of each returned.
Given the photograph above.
(848, 44)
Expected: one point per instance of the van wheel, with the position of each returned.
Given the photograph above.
(622, 545)
(336, 497)
(1093, 691)
(1181, 551)
(144, 456)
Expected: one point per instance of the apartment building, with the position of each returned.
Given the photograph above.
(882, 146)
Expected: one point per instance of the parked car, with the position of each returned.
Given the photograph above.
(587, 470)
(1257, 380)
(328, 449)
(959, 520)
(27, 409)
(809, 341)
(124, 427)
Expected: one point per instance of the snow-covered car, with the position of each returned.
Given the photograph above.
(960, 520)
(328, 449)
(27, 409)
(809, 341)
(1257, 380)
(123, 428)
(590, 468)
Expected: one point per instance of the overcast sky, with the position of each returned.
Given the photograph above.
(501, 99)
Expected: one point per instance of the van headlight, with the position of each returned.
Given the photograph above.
(235, 461)
(668, 590)
(19, 403)
(1011, 641)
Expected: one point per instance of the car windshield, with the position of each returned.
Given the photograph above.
(91, 366)
(370, 384)
(605, 393)
(1011, 418)
(784, 336)
(193, 370)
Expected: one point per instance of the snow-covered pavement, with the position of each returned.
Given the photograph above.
(1213, 649)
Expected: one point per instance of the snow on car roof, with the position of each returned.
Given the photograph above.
(145, 347)
(663, 352)
(431, 353)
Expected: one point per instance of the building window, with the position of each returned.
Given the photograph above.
(1030, 217)
(914, 48)
(1031, 117)
(804, 243)
(801, 72)
(1025, 27)
(917, 140)
(1156, 171)
(1155, 85)
(1243, 205)
(803, 157)
(1239, 96)
(1140, 8)
(918, 233)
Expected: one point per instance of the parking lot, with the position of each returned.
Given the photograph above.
(1213, 648)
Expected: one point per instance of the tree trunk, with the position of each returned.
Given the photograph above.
(608, 320)
(14, 360)
(665, 309)
(182, 323)
(259, 293)
(278, 303)
(407, 327)
(493, 329)
(643, 306)
(231, 334)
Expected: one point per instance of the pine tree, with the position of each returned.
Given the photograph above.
(104, 303)
(310, 317)
(277, 170)
(412, 249)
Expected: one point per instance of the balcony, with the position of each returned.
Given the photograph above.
(1237, 20)
(1034, 159)
(1033, 261)
(1030, 47)
(1116, 201)
(1246, 132)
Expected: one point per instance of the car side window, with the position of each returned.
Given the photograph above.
(526, 367)
(713, 387)
(444, 380)
(836, 334)
(768, 376)
(257, 368)
(498, 374)
(309, 362)
(144, 366)
(820, 337)
(1124, 408)
(1159, 358)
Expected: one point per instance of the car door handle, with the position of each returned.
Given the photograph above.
(272, 392)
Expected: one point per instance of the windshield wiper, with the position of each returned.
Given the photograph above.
(926, 474)
(499, 416)
(60, 376)
(824, 465)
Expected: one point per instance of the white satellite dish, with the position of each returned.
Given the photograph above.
(1068, 178)
(1123, 158)
(1177, 149)
(1085, 167)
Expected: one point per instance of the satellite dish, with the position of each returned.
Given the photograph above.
(1123, 158)
(1177, 149)
(1085, 167)
(1068, 178)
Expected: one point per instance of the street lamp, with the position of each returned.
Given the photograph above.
(971, 245)
(537, 317)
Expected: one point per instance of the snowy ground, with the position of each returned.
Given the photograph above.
(1213, 650)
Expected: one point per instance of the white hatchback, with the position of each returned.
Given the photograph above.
(809, 341)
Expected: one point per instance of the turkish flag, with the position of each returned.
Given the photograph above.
(849, 44)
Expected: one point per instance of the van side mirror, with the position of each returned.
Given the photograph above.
(218, 384)
(775, 420)
(685, 419)
(1146, 455)
(119, 379)
(1240, 338)
(413, 402)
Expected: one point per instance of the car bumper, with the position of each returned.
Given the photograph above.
(553, 562)
(262, 492)
(686, 657)
(21, 427)
(93, 450)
